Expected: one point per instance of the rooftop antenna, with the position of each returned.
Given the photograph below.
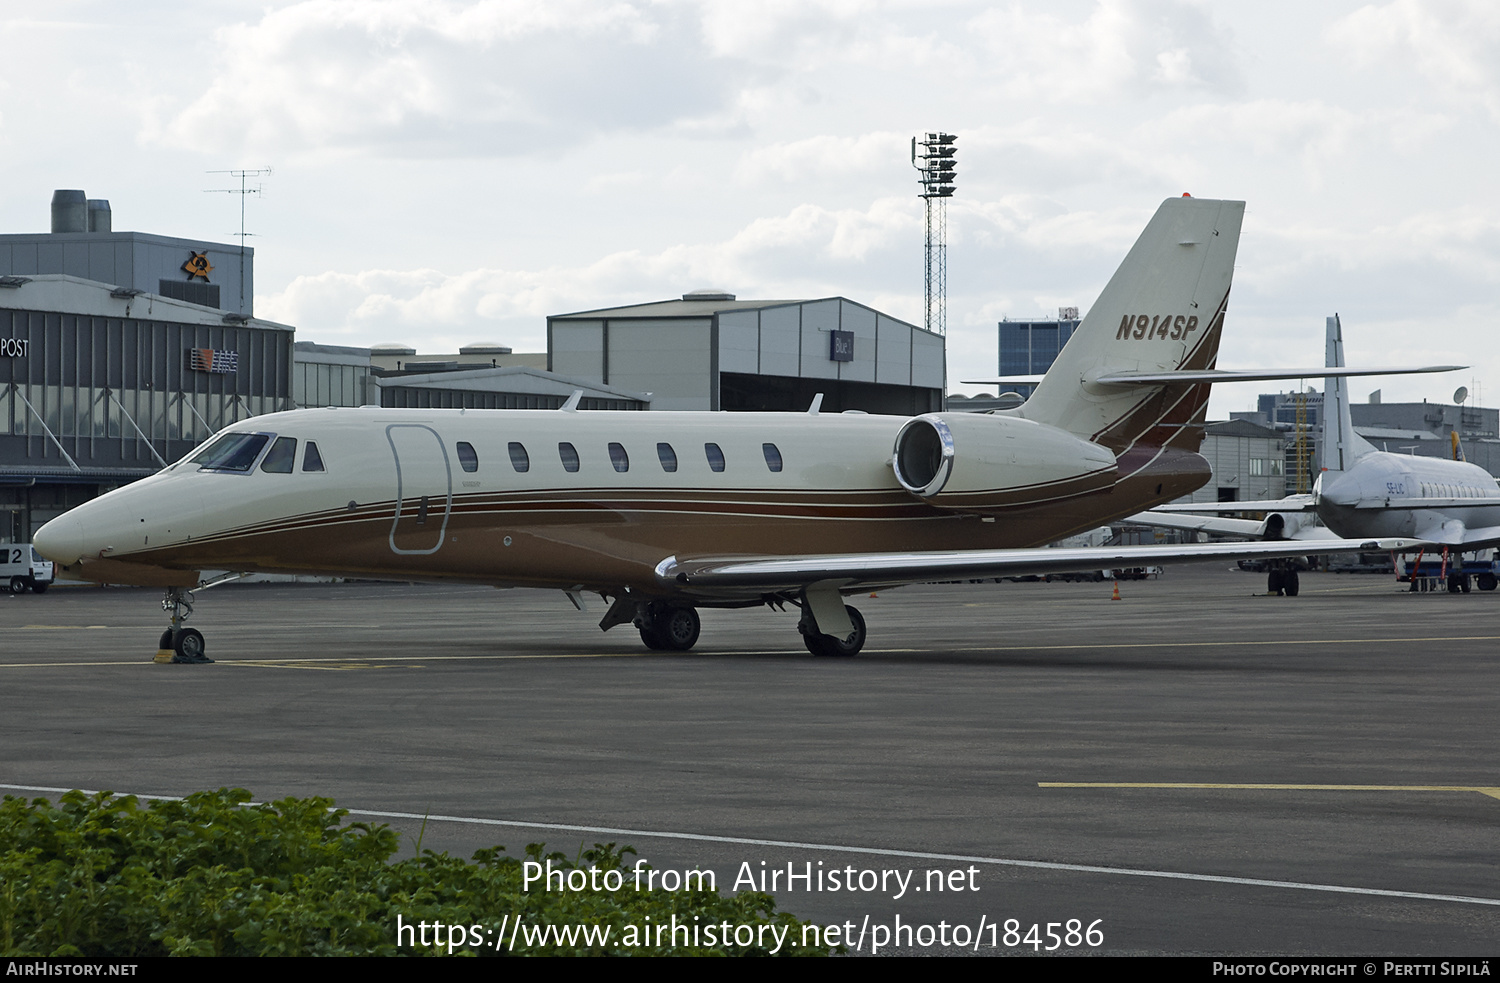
(244, 191)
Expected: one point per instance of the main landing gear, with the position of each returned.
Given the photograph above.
(832, 645)
(1282, 583)
(668, 627)
(179, 644)
(829, 627)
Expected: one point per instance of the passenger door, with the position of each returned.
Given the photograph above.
(424, 488)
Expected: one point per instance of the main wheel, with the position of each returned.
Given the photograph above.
(190, 646)
(1289, 584)
(1465, 583)
(678, 628)
(827, 645)
(674, 629)
(18, 585)
(1453, 587)
(1275, 580)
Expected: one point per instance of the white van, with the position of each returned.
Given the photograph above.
(23, 567)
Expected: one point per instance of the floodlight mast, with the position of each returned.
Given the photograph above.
(935, 173)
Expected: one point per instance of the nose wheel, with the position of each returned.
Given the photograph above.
(178, 644)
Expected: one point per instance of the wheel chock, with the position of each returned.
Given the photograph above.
(164, 657)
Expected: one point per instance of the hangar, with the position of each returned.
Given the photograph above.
(712, 351)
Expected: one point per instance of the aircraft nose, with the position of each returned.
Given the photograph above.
(62, 540)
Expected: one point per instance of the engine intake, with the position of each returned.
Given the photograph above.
(981, 462)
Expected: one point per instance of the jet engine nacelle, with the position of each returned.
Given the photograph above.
(977, 461)
(1286, 525)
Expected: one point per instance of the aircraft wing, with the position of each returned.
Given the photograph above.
(865, 570)
(1435, 528)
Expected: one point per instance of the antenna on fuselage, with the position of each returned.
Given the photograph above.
(571, 406)
(817, 404)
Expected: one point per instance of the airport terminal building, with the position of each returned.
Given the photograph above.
(117, 358)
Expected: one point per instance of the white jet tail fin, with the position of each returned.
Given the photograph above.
(1162, 311)
(1341, 445)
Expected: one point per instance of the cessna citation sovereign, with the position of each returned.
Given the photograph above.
(1451, 507)
(661, 513)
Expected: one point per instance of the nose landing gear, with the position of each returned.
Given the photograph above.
(178, 644)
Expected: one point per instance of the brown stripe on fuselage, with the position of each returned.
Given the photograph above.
(620, 545)
(617, 505)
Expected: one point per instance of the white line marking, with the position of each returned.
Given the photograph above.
(870, 851)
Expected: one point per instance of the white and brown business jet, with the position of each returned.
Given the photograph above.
(662, 513)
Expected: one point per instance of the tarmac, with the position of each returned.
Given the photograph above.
(1196, 768)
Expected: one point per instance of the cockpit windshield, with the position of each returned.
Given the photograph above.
(231, 452)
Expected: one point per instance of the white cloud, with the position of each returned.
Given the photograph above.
(826, 157)
(436, 77)
(1455, 43)
(800, 253)
(1121, 49)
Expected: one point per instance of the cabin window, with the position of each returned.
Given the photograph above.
(232, 452)
(467, 458)
(618, 457)
(281, 456)
(667, 456)
(519, 459)
(715, 456)
(773, 456)
(569, 455)
(311, 459)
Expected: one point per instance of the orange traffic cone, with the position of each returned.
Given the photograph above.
(1116, 595)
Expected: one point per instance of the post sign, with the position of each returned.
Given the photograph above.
(14, 347)
(841, 346)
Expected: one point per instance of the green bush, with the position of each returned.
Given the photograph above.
(99, 875)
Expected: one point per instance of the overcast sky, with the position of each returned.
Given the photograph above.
(450, 172)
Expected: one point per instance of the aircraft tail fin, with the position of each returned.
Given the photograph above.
(1341, 445)
(1162, 311)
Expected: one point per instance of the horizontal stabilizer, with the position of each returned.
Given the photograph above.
(1010, 380)
(1254, 375)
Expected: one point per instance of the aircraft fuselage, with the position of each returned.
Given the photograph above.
(1386, 494)
(592, 500)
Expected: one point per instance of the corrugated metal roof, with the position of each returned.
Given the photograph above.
(683, 308)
